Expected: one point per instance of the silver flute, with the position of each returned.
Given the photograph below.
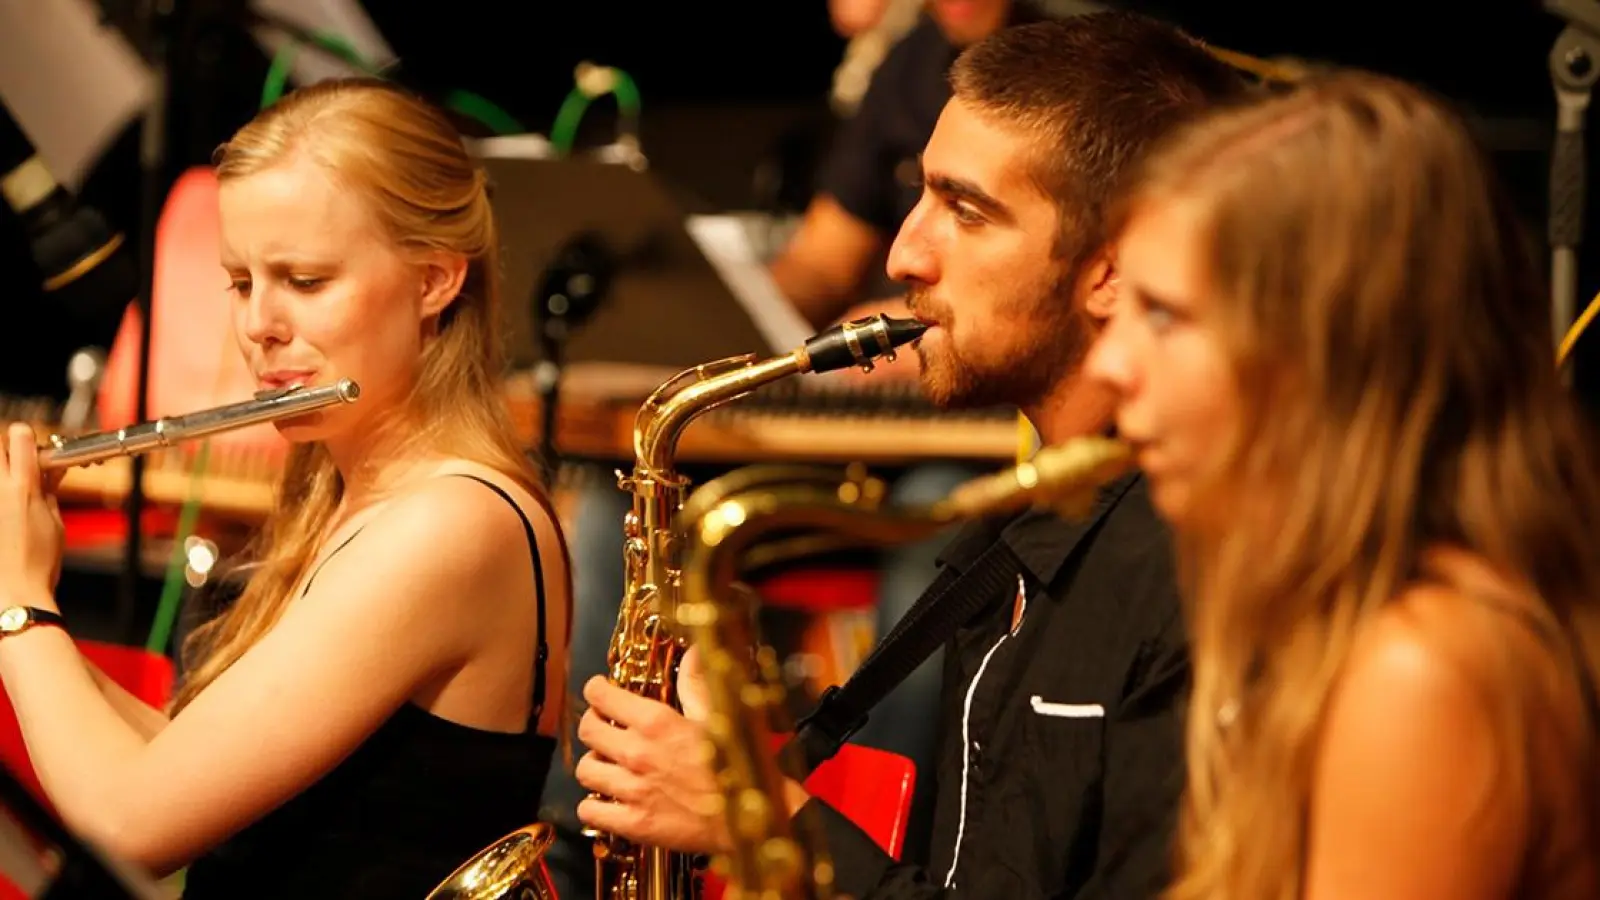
(267, 406)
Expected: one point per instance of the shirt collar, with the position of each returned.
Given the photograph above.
(1040, 539)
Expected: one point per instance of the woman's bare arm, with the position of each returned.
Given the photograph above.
(392, 612)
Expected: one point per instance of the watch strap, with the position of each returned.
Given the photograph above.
(34, 616)
(39, 616)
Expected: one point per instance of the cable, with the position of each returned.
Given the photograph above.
(480, 108)
(1280, 71)
(565, 129)
(627, 94)
(1571, 338)
(469, 104)
(172, 587)
(592, 82)
(283, 63)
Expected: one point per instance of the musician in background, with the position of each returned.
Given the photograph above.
(1061, 761)
(378, 704)
(1333, 356)
(869, 183)
(872, 28)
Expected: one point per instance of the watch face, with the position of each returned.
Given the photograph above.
(12, 618)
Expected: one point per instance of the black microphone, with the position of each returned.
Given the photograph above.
(86, 265)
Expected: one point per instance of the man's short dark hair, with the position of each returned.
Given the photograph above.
(1096, 91)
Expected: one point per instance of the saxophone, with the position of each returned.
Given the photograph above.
(722, 522)
(644, 653)
(645, 647)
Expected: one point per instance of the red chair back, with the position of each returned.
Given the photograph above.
(194, 359)
(145, 675)
(821, 590)
(871, 787)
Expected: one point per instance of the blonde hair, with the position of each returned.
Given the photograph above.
(1383, 313)
(406, 161)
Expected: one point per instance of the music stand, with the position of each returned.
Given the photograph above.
(78, 871)
(666, 305)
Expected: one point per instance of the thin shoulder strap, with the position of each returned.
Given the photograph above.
(314, 572)
(543, 654)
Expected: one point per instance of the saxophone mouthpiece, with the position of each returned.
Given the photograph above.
(859, 342)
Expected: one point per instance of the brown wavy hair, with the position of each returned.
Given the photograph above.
(404, 159)
(1386, 323)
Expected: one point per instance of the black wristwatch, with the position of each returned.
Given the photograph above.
(17, 619)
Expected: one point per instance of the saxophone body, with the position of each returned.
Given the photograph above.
(646, 647)
(772, 858)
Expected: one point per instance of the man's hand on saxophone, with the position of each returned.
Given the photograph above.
(653, 764)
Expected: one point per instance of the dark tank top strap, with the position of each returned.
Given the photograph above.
(542, 655)
(342, 544)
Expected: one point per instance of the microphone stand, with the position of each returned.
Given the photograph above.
(1574, 68)
(151, 35)
(573, 286)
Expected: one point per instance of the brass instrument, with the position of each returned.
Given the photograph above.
(266, 406)
(645, 648)
(721, 523)
(644, 652)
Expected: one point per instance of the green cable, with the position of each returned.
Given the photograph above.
(621, 86)
(627, 94)
(467, 103)
(565, 130)
(493, 117)
(283, 63)
(172, 586)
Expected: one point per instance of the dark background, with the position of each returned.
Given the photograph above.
(732, 87)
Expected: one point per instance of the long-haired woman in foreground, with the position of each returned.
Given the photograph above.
(378, 703)
(1333, 357)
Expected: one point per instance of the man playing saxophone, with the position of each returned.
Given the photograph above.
(1061, 763)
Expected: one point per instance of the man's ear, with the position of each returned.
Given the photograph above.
(443, 276)
(1099, 285)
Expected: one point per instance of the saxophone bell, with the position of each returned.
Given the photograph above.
(772, 857)
(512, 867)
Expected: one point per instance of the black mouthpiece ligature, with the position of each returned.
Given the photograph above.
(860, 341)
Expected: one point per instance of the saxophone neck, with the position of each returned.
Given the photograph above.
(675, 405)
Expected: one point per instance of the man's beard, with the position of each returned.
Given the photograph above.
(1044, 359)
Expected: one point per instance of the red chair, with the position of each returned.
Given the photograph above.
(145, 675)
(824, 614)
(871, 787)
(194, 360)
(821, 590)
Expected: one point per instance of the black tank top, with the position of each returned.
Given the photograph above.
(415, 800)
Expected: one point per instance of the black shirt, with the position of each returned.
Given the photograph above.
(1061, 765)
(873, 170)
